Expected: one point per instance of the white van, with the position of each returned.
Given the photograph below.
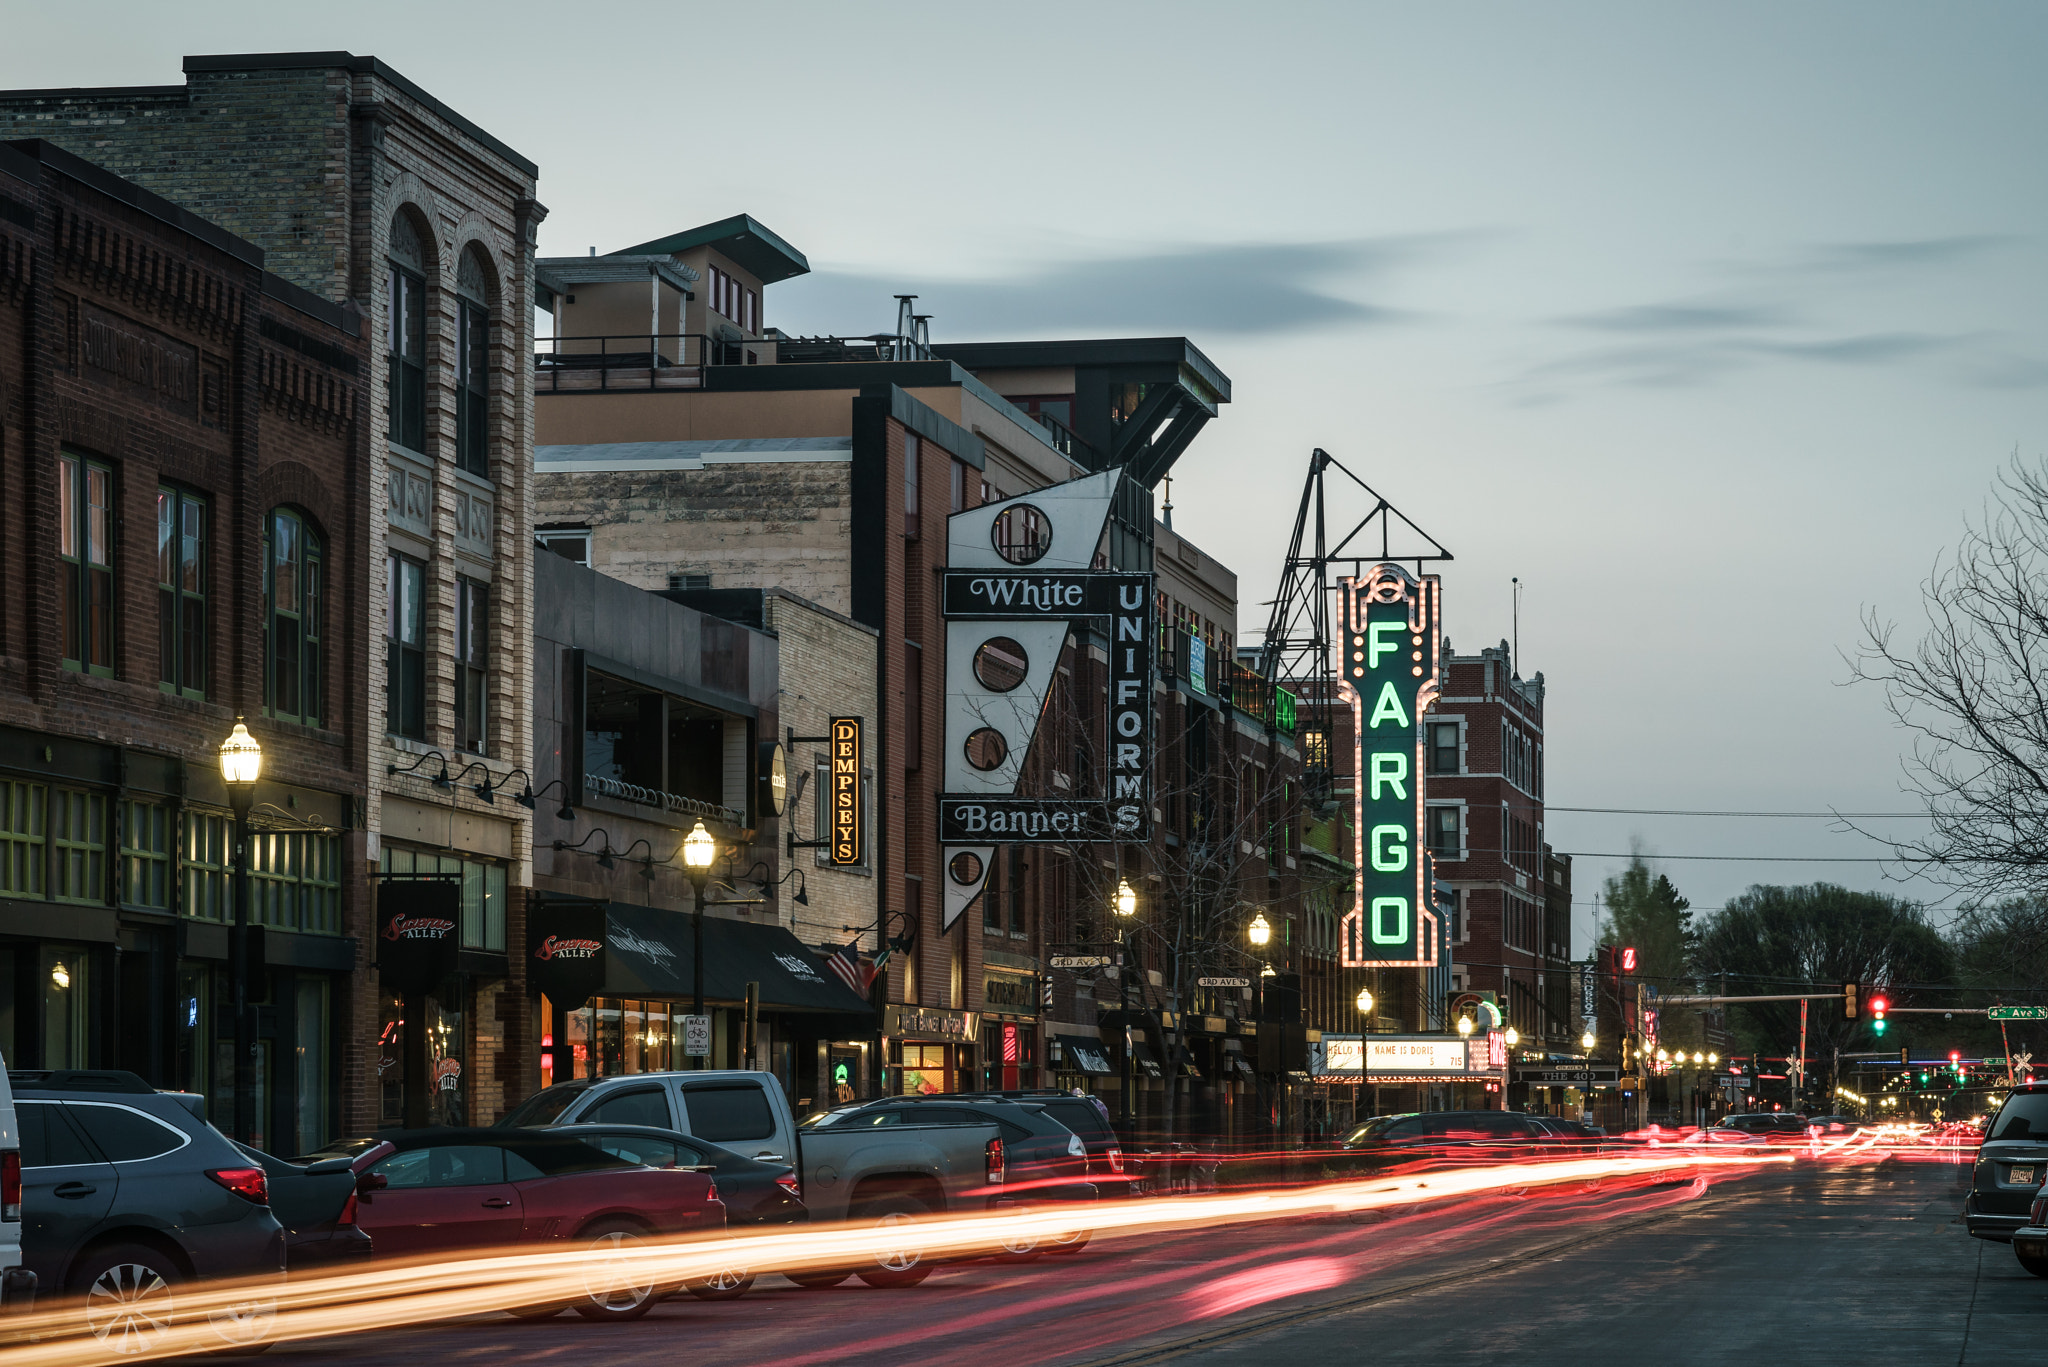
(17, 1283)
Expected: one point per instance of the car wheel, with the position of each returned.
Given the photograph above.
(1020, 1248)
(2037, 1266)
(819, 1278)
(614, 1285)
(129, 1297)
(904, 1264)
(726, 1284)
(1073, 1241)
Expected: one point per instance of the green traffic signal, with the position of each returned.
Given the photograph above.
(1877, 1026)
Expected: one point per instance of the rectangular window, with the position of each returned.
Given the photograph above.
(406, 641)
(992, 897)
(146, 855)
(181, 592)
(472, 654)
(483, 905)
(570, 545)
(206, 863)
(405, 346)
(85, 548)
(291, 594)
(22, 848)
(910, 459)
(1443, 833)
(1013, 885)
(959, 486)
(472, 388)
(1443, 747)
(295, 881)
(78, 846)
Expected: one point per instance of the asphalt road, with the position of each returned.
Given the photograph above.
(1859, 1263)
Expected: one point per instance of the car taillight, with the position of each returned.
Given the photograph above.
(995, 1161)
(1116, 1160)
(789, 1184)
(710, 1191)
(348, 1209)
(248, 1183)
(10, 1185)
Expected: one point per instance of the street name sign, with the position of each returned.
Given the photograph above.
(1223, 982)
(2018, 1013)
(1080, 961)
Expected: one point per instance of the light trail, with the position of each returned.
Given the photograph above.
(396, 1295)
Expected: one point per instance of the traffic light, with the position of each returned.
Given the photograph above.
(1848, 1001)
(1902, 1055)
(1878, 1006)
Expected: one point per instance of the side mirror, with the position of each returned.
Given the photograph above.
(369, 1182)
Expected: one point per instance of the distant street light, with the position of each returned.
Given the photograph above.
(1126, 898)
(699, 850)
(1365, 1000)
(1259, 931)
(241, 765)
(1587, 1041)
(1464, 1025)
(1514, 1037)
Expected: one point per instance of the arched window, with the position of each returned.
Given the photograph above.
(405, 334)
(473, 364)
(292, 589)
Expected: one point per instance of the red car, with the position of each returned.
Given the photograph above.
(469, 1190)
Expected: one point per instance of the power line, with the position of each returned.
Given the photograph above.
(1754, 858)
(1812, 816)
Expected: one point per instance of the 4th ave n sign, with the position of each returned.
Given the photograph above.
(1391, 622)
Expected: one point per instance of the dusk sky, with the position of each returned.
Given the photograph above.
(1713, 325)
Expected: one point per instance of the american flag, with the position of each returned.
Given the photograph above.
(845, 961)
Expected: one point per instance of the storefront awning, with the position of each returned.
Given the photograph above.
(579, 950)
(1084, 1055)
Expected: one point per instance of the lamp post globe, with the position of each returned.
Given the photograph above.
(1260, 930)
(1126, 900)
(1513, 1037)
(1464, 1025)
(241, 760)
(1365, 1001)
(699, 849)
(1586, 1041)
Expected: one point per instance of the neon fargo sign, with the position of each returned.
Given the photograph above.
(1390, 645)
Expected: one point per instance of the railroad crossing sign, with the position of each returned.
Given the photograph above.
(2018, 1013)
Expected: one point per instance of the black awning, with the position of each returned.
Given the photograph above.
(579, 950)
(1084, 1054)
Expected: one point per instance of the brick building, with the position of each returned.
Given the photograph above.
(182, 442)
(370, 194)
(1511, 927)
(723, 455)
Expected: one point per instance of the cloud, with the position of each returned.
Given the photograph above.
(1647, 318)
(1239, 288)
(1909, 253)
(1664, 364)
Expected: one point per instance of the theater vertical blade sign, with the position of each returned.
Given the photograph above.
(1391, 621)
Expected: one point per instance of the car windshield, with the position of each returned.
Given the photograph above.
(2024, 1116)
(546, 1106)
(1374, 1128)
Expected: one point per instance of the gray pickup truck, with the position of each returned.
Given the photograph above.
(892, 1175)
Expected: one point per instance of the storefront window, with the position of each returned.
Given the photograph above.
(447, 1102)
(192, 1030)
(923, 1070)
(391, 1062)
(66, 989)
(610, 1036)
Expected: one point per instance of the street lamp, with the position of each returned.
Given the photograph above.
(1713, 1059)
(699, 849)
(1365, 1001)
(1464, 1025)
(1513, 1037)
(241, 764)
(1125, 904)
(1259, 931)
(1587, 1041)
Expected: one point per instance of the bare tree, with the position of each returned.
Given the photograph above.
(1974, 691)
(1225, 797)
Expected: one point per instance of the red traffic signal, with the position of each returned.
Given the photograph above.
(1878, 1006)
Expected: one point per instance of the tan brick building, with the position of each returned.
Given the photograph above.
(371, 194)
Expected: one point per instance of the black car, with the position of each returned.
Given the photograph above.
(1422, 1142)
(1088, 1118)
(1044, 1161)
(2011, 1162)
(127, 1197)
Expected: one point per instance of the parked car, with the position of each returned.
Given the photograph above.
(17, 1283)
(1043, 1161)
(316, 1202)
(1428, 1141)
(849, 1173)
(445, 1190)
(128, 1197)
(2011, 1162)
(2030, 1241)
(755, 1192)
(1088, 1118)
